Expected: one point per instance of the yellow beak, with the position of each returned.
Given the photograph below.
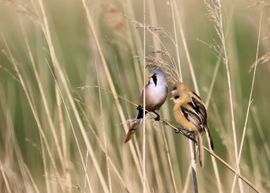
(149, 76)
(171, 98)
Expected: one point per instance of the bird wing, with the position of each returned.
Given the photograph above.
(191, 115)
(201, 111)
(196, 95)
(199, 108)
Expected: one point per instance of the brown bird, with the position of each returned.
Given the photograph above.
(190, 113)
(156, 92)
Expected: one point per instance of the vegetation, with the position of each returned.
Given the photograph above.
(71, 73)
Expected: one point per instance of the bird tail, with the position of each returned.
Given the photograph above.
(132, 129)
(200, 147)
(210, 137)
(135, 123)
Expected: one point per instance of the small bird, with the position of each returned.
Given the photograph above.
(156, 91)
(190, 113)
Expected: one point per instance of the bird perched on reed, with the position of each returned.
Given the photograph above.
(190, 113)
(156, 91)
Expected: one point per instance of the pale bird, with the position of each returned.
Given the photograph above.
(156, 91)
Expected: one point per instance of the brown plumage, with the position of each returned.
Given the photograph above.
(190, 113)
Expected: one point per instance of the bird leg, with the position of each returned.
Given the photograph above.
(157, 118)
(139, 107)
(189, 134)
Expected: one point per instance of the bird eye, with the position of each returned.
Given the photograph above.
(155, 79)
(176, 97)
(174, 88)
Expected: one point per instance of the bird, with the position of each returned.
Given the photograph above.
(156, 91)
(191, 114)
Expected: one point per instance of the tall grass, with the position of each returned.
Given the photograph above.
(71, 75)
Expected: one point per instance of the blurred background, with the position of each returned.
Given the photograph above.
(71, 73)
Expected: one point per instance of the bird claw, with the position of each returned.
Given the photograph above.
(185, 132)
(157, 118)
(177, 130)
(139, 107)
(189, 133)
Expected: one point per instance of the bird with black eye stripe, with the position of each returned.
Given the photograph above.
(191, 114)
(156, 91)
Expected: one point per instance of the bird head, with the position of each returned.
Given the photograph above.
(179, 91)
(157, 77)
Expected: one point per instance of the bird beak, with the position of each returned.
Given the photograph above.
(149, 76)
(171, 98)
